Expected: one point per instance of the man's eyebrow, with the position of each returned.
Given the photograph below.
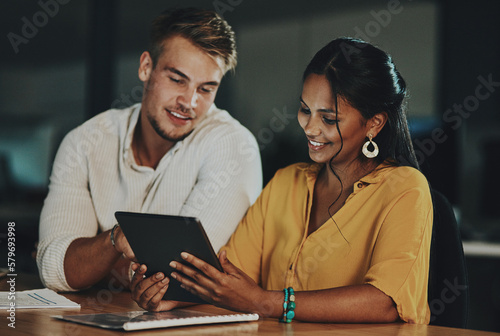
(214, 83)
(178, 72)
(183, 75)
(319, 110)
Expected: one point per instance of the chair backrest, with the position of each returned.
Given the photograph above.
(448, 293)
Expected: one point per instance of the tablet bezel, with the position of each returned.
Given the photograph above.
(158, 239)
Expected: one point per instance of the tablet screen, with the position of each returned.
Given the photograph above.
(158, 239)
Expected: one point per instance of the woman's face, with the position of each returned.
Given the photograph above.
(319, 121)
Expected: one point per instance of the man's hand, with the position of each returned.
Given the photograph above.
(80, 263)
(148, 292)
(121, 244)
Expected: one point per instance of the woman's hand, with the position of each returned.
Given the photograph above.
(148, 292)
(232, 289)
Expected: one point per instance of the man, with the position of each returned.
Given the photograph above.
(175, 153)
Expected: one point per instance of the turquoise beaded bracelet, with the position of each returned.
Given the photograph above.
(288, 305)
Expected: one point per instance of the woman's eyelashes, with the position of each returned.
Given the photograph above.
(330, 121)
(305, 110)
(326, 120)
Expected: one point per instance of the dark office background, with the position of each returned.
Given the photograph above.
(62, 61)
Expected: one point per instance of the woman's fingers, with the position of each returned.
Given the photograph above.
(204, 267)
(199, 279)
(231, 289)
(227, 266)
(184, 275)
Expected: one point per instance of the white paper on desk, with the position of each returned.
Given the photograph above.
(37, 298)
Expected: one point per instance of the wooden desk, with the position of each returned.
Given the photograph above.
(39, 321)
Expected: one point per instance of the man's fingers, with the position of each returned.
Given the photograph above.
(140, 270)
(143, 285)
(154, 295)
(167, 305)
(122, 244)
(148, 292)
(129, 254)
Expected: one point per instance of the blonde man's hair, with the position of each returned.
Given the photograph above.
(205, 29)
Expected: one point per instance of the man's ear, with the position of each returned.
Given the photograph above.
(145, 66)
(376, 123)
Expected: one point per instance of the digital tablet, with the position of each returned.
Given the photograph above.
(158, 239)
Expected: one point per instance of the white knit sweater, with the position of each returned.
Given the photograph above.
(213, 174)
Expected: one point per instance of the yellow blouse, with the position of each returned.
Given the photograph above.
(381, 236)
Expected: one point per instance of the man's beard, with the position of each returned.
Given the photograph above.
(163, 134)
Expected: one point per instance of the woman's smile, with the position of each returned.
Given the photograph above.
(316, 145)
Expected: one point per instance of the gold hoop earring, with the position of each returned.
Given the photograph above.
(366, 152)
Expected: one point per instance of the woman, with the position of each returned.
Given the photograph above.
(344, 239)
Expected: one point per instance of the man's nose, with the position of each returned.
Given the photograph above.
(189, 98)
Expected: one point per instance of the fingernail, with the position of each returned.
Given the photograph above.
(159, 276)
(173, 264)
(182, 286)
(165, 281)
(143, 268)
(184, 255)
(174, 275)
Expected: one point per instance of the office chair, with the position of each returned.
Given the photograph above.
(448, 292)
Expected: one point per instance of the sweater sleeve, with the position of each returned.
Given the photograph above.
(68, 212)
(229, 181)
